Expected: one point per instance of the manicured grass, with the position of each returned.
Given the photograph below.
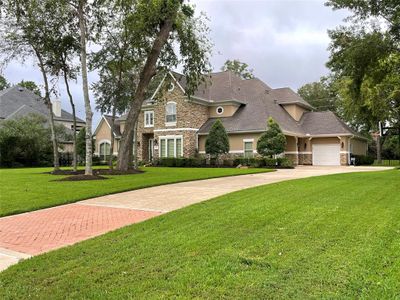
(24, 190)
(335, 236)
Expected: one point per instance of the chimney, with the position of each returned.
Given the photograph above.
(57, 107)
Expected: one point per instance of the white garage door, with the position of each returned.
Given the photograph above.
(326, 154)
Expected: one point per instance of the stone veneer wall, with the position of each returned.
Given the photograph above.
(343, 159)
(305, 159)
(189, 116)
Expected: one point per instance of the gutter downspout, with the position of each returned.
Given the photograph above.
(348, 149)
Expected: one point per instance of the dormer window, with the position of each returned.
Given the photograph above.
(149, 118)
(170, 113)
(220, 110)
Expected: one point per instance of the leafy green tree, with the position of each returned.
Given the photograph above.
(30, 85)
(25, 141)
(239, 68)
(320, 94)
(3, 83)
(272, 141)
(157, 30)
(217, 141)
(27, 27)
(365, 61)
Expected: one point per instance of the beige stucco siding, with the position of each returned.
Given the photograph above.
(359, 147)
(236, 142)
(295, 111)
(229, 110)
(104, 134)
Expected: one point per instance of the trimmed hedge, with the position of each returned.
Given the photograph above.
(194, 162)
(191, 162)
(281, 162)
(364, 160)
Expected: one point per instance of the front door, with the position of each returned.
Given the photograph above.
(151, 149)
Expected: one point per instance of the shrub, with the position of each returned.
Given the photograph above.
(217, 141)
(25, 141)
(272, 141)
(363, 160)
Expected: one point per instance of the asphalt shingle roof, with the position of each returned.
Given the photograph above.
(17, 101)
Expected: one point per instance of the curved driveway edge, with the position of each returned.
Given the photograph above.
(170, 197)
(44, 230)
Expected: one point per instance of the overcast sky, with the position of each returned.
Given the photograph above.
(284, 41)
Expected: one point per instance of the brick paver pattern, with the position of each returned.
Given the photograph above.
(44, 230)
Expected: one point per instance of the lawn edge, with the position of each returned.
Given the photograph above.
(18, 212)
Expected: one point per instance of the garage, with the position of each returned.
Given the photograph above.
(326, 154)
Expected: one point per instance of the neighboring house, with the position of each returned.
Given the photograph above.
(18, 101)
(174, 125)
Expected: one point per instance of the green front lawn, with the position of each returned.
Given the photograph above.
(334, 236)
(26, 189)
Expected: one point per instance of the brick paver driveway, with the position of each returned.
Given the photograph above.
(44, 230)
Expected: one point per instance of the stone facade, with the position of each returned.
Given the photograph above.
(343, 159)
(189, 118)
(305, 159)
(293, 157)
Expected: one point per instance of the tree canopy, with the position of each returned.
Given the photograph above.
(239, 68)
(272, 141)
(3, 83)
(320, 94)
(30, 85)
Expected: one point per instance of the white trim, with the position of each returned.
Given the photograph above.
(248, 140)
(344, 152)
(176, 129)
(169, 72)
(219, 107)
(291, 152)
(109, 125)
(176, 114)
(148, 112)
(158, 88)
(104, 141)
(171, 88)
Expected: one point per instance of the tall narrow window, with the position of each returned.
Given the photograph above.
(248, 149)
(162, 148)
(149, 118)
(170, 112)
(104, 151)
(178, 147)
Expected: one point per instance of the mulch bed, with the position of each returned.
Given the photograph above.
(81, 177)
(80, 174)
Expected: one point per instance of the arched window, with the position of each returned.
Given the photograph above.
(170, 112)
(104, 150)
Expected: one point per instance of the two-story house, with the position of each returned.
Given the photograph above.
(171, 124)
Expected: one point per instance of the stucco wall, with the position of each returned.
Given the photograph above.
(359, 147)
(229, 111)
(104, 134)
(295, 111)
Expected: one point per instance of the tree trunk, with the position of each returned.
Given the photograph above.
(88, 109)
(110, 160)
(148, 71)
(71, 101)
(378, 149)
(49, 105)
(135, 162)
